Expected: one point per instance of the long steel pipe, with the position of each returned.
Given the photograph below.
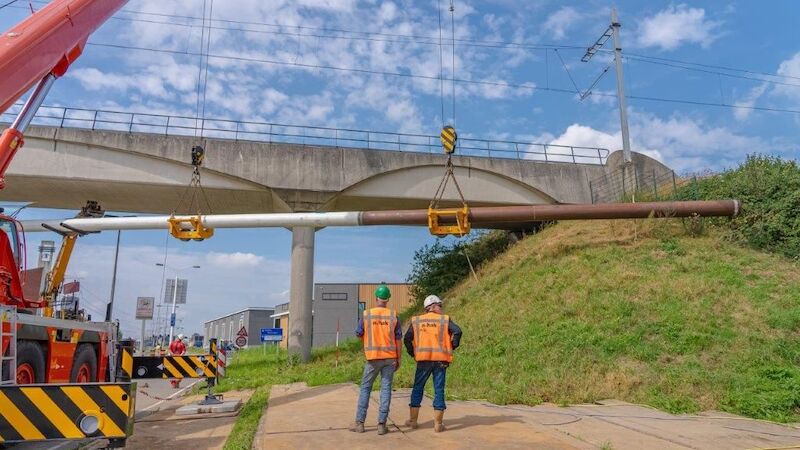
(415, 217)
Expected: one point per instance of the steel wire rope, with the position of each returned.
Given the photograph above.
(200, 70)
(453, 64)
(441, 59)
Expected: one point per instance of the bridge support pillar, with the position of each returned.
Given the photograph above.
(301, 289)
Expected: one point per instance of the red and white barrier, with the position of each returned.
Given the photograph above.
(222, 362)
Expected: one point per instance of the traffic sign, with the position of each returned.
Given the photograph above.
(170, 294)
(144, 307)
(271, 334)
(240, 341)
(242, 332)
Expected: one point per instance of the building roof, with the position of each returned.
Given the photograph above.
(252, 308)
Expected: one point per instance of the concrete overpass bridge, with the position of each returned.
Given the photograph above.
(140, 163)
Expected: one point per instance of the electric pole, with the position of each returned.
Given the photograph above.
(612, 32)
(623, 110)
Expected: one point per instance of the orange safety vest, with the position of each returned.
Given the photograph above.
(431, 338)
(379, 338)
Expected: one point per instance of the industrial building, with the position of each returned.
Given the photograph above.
(337, 306)
(226, 328)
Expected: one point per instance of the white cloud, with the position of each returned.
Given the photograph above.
(790, 68)
(234, 260)
(748, 101)
(677, 25)
(787, 68)
(559, 22)
(683, 143)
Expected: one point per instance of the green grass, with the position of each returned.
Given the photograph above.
(241, 438)
(637, 311)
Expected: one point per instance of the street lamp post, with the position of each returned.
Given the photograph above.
(174, 300)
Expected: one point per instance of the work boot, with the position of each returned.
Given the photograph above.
(438, 416)
(413, 416)
(382, 429)
(357, 427)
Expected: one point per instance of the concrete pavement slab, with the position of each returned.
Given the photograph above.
(165, 429)
(300, 417)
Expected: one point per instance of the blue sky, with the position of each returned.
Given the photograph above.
(519, 91)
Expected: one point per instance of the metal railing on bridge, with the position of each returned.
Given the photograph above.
(173, 125)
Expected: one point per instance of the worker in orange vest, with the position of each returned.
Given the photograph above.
(381, 334)
(431, 339)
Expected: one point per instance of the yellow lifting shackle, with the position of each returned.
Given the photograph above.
(189, 228)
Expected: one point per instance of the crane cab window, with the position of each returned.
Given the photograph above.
(9, 227)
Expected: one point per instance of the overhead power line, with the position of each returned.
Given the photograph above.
(420, 39)
(713, 72)
(436, 78)
(362, 35)
(713, 66)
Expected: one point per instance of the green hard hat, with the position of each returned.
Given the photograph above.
(383, 292)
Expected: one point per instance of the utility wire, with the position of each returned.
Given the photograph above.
(713, 66)
(577, 91)
(420, 39)
(427, 77)
(9, 4)
(364, 35)
(712, 72)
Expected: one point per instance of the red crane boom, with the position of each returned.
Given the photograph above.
(41, 49)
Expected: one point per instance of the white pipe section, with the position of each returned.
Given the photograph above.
(276, 220)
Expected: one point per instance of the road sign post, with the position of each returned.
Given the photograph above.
(271, 335)
(144, 311)
(241, 338)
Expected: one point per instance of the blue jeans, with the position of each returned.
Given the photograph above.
(371, 370)
(424, 370)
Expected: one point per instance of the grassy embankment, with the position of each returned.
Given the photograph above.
(638, 311)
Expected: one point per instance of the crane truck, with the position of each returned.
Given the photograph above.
(36, 347)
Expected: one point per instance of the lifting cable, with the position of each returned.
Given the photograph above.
(191, 227)
(449, 138)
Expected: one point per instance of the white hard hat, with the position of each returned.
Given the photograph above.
(430, 300)
(180, 336)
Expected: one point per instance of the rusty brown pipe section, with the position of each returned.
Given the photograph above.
(544, 213)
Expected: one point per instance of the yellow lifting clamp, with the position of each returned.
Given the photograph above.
(460, 228)
(189, 228)
(435, 214)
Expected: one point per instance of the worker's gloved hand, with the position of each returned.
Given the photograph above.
(444, 364)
